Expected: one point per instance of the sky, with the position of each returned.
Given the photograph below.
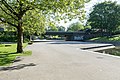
(88, 6)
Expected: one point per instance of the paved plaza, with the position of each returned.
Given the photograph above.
(61, 60)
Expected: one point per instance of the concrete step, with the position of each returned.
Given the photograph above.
(97, 48)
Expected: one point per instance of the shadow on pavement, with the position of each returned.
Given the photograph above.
(18, 67)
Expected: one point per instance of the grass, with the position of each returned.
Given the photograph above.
(108, 39)
(114, 51)
(8, 53)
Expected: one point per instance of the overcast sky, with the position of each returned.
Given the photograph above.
(88, 7)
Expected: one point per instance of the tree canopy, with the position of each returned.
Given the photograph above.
(105, 16)
(13, 12)
(34, 22)
(52, 28)
(61, 28)
(75, 27)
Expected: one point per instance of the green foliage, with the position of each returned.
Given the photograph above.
(11, 10)
(61, 28)
(87, 27)
(75, 27)
(105, 16)
(13, 13)
(8, 39)
(10, 28)
(34, 23)
(51, 27)
(8, 36)
(26, 40)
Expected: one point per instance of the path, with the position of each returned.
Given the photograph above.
(64, 61)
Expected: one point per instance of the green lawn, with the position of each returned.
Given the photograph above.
(113, 38)
(8, 53)
(114, 51)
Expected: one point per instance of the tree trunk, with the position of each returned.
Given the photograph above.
(19, 37)
(30, 37)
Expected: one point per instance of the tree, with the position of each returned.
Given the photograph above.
(13, 11)
(61, 28)
(34, 23)
(105, 16)
(75, 27)
(51, 26)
